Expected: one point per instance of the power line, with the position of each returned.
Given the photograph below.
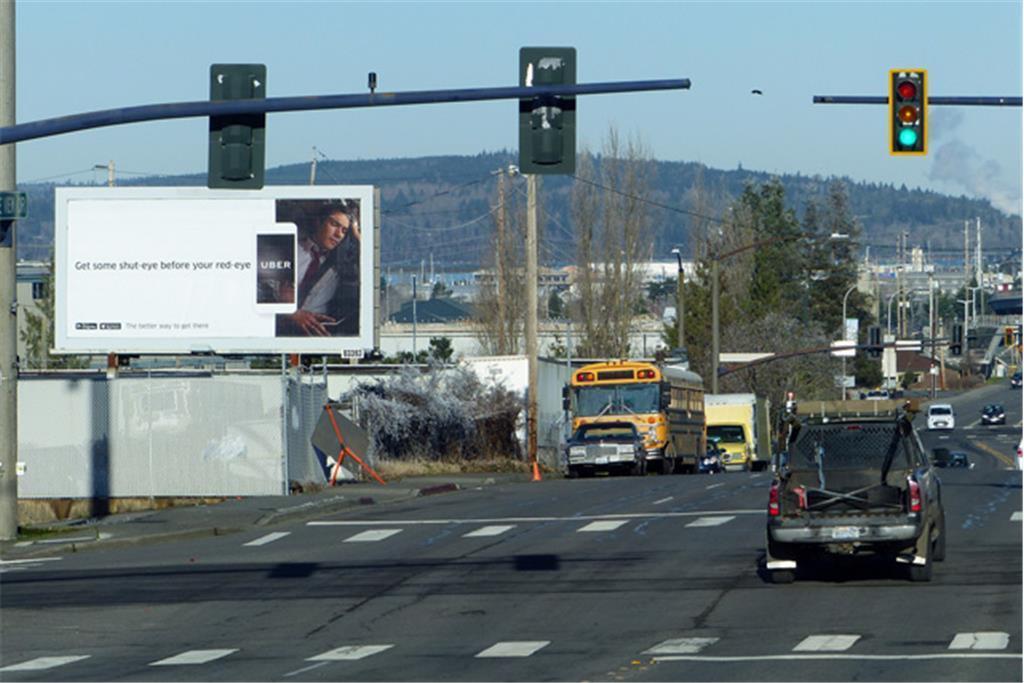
(667, 207)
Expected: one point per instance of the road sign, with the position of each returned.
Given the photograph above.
(843, 348)
(908, 344)
(13, 205)
(743, 357)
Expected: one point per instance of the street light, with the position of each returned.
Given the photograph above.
(842, 327)
(680, 324)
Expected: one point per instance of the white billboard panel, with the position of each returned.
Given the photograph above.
(179, 270)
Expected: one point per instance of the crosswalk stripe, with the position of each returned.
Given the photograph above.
(489, 531)
(604, 525)
(981, 640)
(193, 657)
(710, 521)
(372, 535)
(514, 648)
(31, 560)
(269, 538)
(42, 663)
(680, 646)
(350, 652)
(1016, 516)
(826, 643)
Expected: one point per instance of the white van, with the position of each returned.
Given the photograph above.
(940, 416)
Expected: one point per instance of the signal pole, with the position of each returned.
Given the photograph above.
(8, 294)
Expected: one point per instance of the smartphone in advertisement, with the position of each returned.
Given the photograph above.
(275, 269)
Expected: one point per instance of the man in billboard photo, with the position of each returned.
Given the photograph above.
(327, 267)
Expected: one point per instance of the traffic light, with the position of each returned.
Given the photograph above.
(956, 340)
(237, 141)
(547, 125)
(874, 341)
(1007, 337)
(908, 104)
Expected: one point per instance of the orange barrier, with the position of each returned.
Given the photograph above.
(346, 452)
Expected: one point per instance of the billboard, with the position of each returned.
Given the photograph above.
(285, 269)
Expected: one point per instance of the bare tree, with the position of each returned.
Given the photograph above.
(610, 213)
(500, 301)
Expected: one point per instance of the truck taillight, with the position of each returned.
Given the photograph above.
(773, 500)
(915, 496)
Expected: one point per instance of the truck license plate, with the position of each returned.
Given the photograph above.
(601, 460)
(845, 533)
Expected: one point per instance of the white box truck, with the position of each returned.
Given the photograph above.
(740, 425)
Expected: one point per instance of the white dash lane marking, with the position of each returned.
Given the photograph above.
(372, 535)
(490, 531)
(193, 657)
(350, 652)
(1016, 516)
(608, 525)
(514, 648)
(42, 663)
(710, 521)
(714, 486)
(826, 643)
(269, 538)
(982, 640)
(663, 500)
(680, 646)
(28, 561)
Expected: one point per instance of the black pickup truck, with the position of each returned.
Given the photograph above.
(853, 478)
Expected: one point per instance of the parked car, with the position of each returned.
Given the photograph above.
(876, 395)
(606, 446)
(993, 414)
(1015, 380)
(940, 416)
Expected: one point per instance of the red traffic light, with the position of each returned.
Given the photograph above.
(907, 90)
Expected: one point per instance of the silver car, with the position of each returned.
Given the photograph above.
(606, 446)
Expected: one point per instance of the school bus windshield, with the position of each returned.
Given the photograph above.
(623, 399)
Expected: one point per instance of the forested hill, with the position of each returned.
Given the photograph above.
(444, 206)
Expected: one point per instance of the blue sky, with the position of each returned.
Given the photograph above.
(74, 57)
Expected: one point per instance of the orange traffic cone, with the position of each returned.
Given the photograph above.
(536, 472)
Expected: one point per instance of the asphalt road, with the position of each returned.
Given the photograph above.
(617, 579)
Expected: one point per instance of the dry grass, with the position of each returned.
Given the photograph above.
(397, 469)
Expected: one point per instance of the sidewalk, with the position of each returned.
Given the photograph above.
(238, 514)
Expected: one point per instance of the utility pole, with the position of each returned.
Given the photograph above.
(980, 270)
(312, 169)
(714, 323)
(499, 263)
(110, 171)
(414, 317)
(531, 318)
(8, 293)
(932, 319)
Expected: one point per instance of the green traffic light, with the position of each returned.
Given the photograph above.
(908, 137)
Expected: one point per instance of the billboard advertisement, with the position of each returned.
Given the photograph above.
(286, 269)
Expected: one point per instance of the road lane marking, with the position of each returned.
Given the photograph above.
(42, 663)
(28, 561)
(663, 500)
(607, 525)
(349, 653)
(490, 531)
(999, 456)
(826, 643)
(710, 521)
(193, 657)
(835, 657)
(513, 648)
(982, 640)
(680, 646)
(269, 538)
(1016, 516)
(714, 486)
(526, 520)
(371, 535)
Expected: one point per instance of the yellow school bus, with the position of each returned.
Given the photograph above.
(665, 404)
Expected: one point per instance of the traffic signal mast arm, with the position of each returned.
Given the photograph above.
(177, 110)
(959, 101)
(808, 352)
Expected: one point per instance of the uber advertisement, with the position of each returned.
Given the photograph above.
(180, 270)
